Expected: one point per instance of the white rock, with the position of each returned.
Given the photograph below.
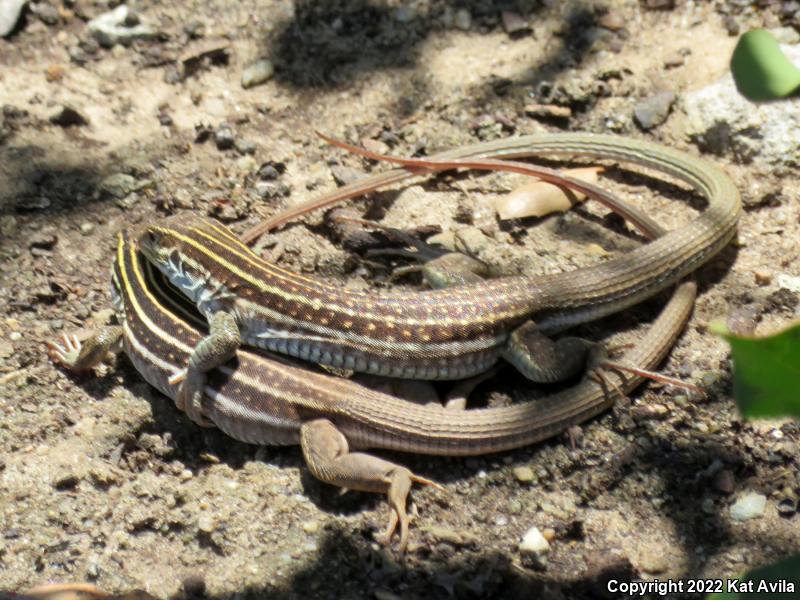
(535, 545)
(118, 26)
(724, 121)
(790, 282)
(749, 505)
(9, 15)
(257, 73)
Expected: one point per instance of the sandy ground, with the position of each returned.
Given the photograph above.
(102, 480)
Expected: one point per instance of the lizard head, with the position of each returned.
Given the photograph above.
(174, 249)
(193, 253)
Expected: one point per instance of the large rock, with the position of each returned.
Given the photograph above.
(723, 122)
(9, 15)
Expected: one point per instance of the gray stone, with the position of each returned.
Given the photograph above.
(119, 26)
(118, 185)
(244, 146)
(463, 20)
(224, 138)
(654, 110)
(47, 13)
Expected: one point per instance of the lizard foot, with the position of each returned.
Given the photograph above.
(66, 352)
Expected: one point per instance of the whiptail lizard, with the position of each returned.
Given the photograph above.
(441, 334)
(263, 401)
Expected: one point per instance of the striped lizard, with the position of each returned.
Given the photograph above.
(447, 333)
(263, 401)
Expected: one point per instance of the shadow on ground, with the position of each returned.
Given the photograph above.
(327, 44)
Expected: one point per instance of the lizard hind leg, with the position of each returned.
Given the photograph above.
(543, 360)
(328, 457)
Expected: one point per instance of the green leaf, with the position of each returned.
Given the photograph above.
(766, 372)
(786, 571)
(761, 71)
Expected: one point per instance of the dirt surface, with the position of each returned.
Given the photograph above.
(103, 480)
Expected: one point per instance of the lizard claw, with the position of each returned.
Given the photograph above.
(67, 352)
(399, 488)
(177, 377)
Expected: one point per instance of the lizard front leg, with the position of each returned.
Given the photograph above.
(329, 459)
(217, 348)
(77, 356)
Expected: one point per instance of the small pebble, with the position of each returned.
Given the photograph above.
(68, 117)
(535, 546)
(749, 505)
(245, 146)
(271, 189)
(646, 412)
(724, 481)
(596, 249)
(612, 21)
(311, 527)
(463, 20)
(93, 568)
(731, 25)
(762, 277)
(681, 400)
(246, 164)
(674, 60)
(223, 137)
(708, 506)
(257, 73)
(87, 228)
(471, 240)
(653, 561)
(787, 507)
(344, 175)
(47, 13)
(206, 523)
(119, 26)
(653, 111)
(118, 185)
(268, 172)
(523, 474)
(195, 29)
(514, 23)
